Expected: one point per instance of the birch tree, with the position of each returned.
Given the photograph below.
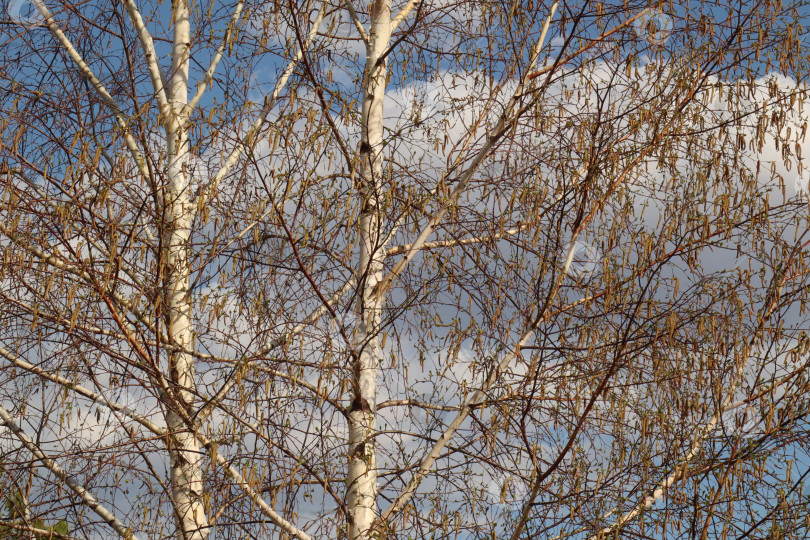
(403, 268)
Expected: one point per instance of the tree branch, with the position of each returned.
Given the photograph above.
(82, 391)
(356, 20)
(108, 100)
(396, 250)
(98, 398)
(277, 519)
(269, 102)
(403, 13)
(148, 47)
(86, 497)
(505, 123)
(209, 74)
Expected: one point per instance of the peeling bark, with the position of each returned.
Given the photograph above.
(184, 449)
(361, 498)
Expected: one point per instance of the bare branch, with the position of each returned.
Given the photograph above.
(396, 250)
(82, 391)
(416, 403)
(356, 20)
(121, 118)
(269, 102)
(49, 533)
(254, 496)
(505, 123)
(209, 73)
(403, 14)
(148, 48)
(86, 497)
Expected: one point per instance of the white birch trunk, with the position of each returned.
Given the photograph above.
(184, 449)
(361, 497)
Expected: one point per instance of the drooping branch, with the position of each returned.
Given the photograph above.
(126, 268)
(82, 391)
(681, 469)
(157, 430)
(86, 497)
(254, 496)
(435, 452)
(280, 341)
(57, 262)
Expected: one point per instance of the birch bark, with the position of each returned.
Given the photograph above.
(362, 477)
(184, 449)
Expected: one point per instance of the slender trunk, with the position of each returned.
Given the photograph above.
(184, 450)
(362, 478)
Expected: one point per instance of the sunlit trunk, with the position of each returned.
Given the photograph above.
(362, 478)
(184, 451)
